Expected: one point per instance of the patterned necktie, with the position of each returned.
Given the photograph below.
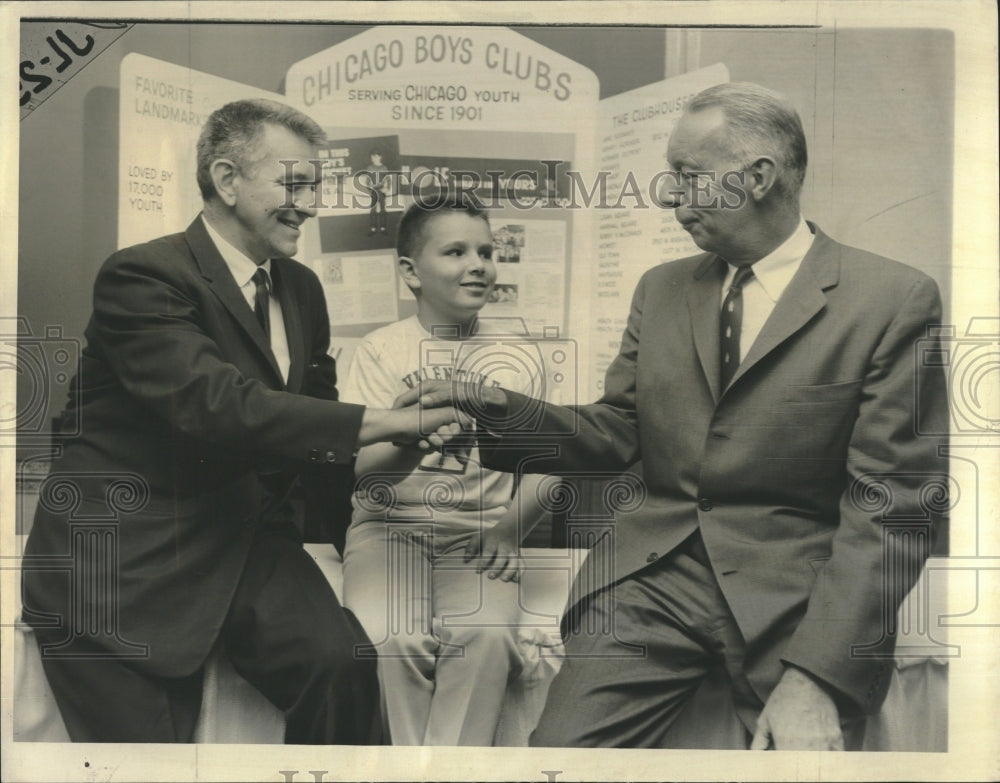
(730, 324)
(261, 300)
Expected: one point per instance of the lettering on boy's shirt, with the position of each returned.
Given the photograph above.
(453, 460)
(438, 372)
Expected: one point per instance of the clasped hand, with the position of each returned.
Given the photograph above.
(466, 397)
(443, 409)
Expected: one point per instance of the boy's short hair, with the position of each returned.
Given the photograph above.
(409, 236)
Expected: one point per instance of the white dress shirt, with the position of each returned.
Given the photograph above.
(242, 268)
(771, 276)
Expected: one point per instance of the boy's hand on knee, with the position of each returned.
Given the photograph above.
(495, 553)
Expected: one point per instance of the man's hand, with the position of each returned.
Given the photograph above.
(424, 429)
(496, 552)
(799, 715)
(467, 397)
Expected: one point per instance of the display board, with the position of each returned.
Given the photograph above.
(427, 110)
(162, 109)
(632, 231)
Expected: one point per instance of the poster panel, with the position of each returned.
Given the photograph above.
(413, 113)
(632, 231)
(162, 109)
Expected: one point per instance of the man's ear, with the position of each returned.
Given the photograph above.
(224, 173)
(761, 176)
(408, 271)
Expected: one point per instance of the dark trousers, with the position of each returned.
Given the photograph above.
(285, 632)
(657, 661)
(637, 652)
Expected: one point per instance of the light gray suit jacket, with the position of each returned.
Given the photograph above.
(801, 475)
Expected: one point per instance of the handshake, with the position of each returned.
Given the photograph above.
(448, 412)
(433, 414)
(436, 413)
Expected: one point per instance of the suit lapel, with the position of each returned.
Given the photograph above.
(801, 300)
(220, 280)
(703, 304)
(293, 321)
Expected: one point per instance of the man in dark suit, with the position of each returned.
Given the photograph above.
(204, 390)
(769, 387)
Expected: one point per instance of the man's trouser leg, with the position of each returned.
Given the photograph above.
(106, 700)
(608, 694)
(288, 635)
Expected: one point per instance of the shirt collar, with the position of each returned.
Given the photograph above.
(241, 266)
(775, 270)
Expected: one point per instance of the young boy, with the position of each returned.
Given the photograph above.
(431, 564)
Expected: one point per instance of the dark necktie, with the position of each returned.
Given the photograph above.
(261, 300)
(730, 325)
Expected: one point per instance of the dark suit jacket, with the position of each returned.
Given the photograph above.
(789, 473)
(187, 428)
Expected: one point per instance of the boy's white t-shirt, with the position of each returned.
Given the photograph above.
(449, 488)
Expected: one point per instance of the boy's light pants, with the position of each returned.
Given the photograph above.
(446, 637)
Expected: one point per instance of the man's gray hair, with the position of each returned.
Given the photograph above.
(234, 131)
(760, 122)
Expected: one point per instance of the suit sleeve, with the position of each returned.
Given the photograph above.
(890, 511)
(599, 437)
(326, 490)
(150, 327)
(321, 370)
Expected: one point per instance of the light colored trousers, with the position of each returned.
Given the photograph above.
(446, 637)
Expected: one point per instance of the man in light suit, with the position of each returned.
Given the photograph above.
(204, 391)
(769, 388)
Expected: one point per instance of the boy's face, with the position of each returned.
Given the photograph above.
(453, 271)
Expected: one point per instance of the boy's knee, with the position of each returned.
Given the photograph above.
(490, 642)
(419, 649)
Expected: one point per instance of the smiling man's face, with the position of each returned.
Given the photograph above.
(273, 199)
